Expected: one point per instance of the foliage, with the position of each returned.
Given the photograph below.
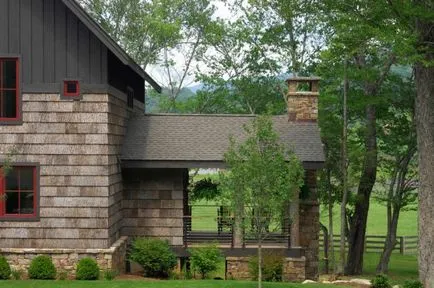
(17, 274)
(272, 266)
(150, 284)
(42, 268)
(6, 166)
(204, 189)
(184, 274)
(62, 275)
(263, 173)
(173, 34)
(110, 274)
(87, 269)
(381, 281)
(205, 259)
(154, 255)
(262, 178)
(5, 269)
(413, 284)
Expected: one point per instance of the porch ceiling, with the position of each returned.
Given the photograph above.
(200, 141)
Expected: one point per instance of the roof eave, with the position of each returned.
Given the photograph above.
(102, 35)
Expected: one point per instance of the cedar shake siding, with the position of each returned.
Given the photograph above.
(153, 203)
(76, 144)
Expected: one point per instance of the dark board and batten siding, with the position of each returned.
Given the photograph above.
(52, 42)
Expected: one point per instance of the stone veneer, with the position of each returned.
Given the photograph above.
(66, 260)
(238, 268)
(303, 107)
(310, 228)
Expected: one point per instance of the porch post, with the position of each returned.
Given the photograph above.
(237, 226)
(295, 220)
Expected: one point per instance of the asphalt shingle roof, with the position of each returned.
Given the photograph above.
(172, 137)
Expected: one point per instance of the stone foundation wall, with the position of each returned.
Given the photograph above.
(66, 260)
(238, 268)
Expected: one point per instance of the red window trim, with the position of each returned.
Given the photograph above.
(65, 88)
(3, 214)
(17, 87)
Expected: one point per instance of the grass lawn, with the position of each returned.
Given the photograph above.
(407, 225)
(204, 215)
(153, 284)
(401, 267)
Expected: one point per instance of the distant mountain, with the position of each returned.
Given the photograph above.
(196, 88)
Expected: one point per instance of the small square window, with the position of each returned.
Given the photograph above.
(71, 88)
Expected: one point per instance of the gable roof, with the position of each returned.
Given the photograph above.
(205, 138)
(102, 35)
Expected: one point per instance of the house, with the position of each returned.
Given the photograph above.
(90, 170)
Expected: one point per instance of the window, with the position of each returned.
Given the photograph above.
(18, 192)
(71, 88)
(130, 97)
(9, 89)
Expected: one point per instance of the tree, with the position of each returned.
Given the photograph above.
(6, 167)
(397, 158)
(170, 34)
(263, 43)
(263, 175)
(407, 29)
(424, 75)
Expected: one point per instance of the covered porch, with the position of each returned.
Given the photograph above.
(157, 154)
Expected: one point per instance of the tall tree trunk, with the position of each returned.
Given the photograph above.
(425, 141)
(326, 247)
(369, 174)
(344, 173)
(383, 265)
(331, 233)
(260, 262)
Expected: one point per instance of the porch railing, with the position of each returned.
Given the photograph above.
(219, 227)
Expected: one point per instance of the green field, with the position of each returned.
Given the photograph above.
(401, 267)
(204, 219)
(150, 284)
(377, 224)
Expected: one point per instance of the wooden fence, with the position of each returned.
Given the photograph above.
(375, 244)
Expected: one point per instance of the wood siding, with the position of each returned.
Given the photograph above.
(80, 178)
(153, 204)
(52, 42)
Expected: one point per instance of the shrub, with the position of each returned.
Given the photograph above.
(87, 269)
(42, 267)
(62, 275)
(154, 255)
(5, 269)
(17, 274)
(205, 259)
(381, 281)
(272, 266)
(413, 284)
(110, 274)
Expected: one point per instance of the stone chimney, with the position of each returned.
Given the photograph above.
(302, 98)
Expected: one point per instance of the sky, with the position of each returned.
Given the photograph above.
(156, 71)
